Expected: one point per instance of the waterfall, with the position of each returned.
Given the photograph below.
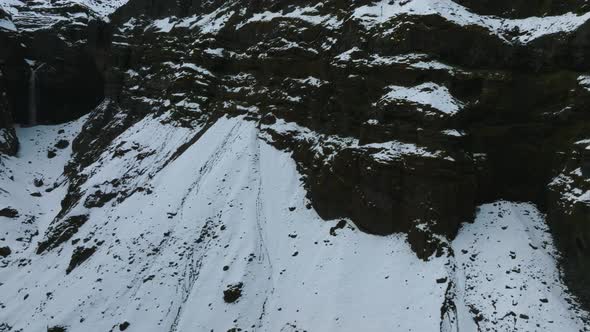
(33, 98)
(33, 95)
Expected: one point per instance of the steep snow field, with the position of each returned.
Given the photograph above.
(231, 210)
(507, 271)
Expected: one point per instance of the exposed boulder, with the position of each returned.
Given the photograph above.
(9, 212)
(5, 251)
(61, 231)
(233, 292)
(79, 255)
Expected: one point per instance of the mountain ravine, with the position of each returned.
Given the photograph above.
(273, 165)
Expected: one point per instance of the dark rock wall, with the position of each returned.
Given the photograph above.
(71, 83)
(8, 139)
(72, 61)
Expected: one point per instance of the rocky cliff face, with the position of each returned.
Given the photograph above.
(402, 117)
(398, 113)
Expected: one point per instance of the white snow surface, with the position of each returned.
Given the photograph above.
(230, 199)
(507, 270)
(584, 81)
(164, 25)
(431, 94)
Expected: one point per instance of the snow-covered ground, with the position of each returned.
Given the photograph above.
(507, 272)
(231, 209)
(101, 7)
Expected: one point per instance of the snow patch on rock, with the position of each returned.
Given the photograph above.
(431, 94)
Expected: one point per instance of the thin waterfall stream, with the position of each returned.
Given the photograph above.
(33, 95)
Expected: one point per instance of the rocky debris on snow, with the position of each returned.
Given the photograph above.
(61, 232)
(232, 292)
(9, 212)
(123, 326)
(5, 251)
(340, 225)
(38, 182)
(98, 199)
(79, 255)
(57, 329)
(62, 144)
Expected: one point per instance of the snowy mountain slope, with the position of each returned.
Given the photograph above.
(508, 275)
(280, 166)
(101, 7)
(36, 189)
(230, 210)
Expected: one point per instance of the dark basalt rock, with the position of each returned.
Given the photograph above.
(383, 198)
(61, 232)
(123, 326)
(441, 280)
(57, 329)
(62, 144)
(340, 225)
(8, 212)
(79, 256)
(571, 228)
(525, 8)
(232, 293)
